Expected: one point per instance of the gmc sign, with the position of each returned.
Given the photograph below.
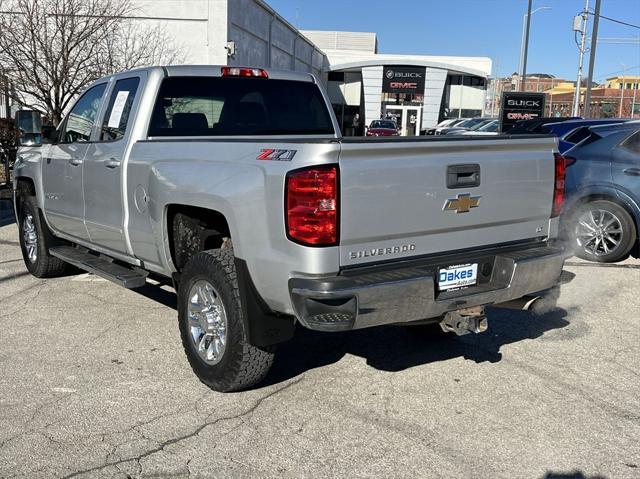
(402, 79)
(518, 106)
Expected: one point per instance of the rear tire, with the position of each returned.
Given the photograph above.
(35, 241)
(212, 326)
(601, 231)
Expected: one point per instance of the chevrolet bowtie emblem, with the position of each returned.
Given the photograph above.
(462, 204)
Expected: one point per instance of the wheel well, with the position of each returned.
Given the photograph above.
(605, 197)
(24, 187)
(192, 229)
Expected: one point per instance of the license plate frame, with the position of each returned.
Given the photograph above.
(457, 276)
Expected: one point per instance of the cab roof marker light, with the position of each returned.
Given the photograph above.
(244, 72)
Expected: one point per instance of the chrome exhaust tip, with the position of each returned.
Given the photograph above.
(526, 303)
(540, 303)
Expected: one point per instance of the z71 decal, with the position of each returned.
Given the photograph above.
(269, 154)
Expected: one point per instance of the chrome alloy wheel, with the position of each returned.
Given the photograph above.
(207, 322)
(30, 237)
(599, 232)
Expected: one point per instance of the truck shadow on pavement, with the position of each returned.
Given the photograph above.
(393, 348)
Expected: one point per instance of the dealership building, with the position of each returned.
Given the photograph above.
(416, 91)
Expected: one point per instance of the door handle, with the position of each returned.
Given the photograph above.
(75, 161)
(463, 176)
(112, 163)
(632, 171)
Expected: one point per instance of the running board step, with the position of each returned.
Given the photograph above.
(128, 277)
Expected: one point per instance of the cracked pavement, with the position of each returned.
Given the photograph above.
(94, 383)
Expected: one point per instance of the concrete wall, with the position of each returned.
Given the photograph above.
(433, 89)
(372, 83)
(202, 28)
(196, 27)
(263, 38)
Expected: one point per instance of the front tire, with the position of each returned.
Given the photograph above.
(212, 326)
(35, 241)
(602, 231)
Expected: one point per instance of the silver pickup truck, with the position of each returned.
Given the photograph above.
(237, 185)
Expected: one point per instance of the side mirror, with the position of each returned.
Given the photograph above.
(29, 125)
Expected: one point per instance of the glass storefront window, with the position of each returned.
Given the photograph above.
(402, 99)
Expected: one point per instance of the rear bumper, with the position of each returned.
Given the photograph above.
(407, 291)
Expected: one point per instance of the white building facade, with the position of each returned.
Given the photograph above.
(416, 91)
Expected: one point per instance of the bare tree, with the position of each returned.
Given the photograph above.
(52, 49)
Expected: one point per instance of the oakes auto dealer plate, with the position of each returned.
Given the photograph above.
(458, 276)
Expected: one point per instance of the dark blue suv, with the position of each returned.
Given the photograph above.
(602, 212)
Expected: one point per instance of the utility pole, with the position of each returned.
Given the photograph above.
(592, 59)
(523, 78)
(580, 24)
(624, 81)
(496, 87)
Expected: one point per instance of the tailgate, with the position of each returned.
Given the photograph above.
(396, 202)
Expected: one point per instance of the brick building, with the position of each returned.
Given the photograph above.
(536, 82)
(605, 103)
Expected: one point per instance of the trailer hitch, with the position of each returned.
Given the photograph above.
(465, 321)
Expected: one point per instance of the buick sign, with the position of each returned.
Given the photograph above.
(402, 79)
(518, 106)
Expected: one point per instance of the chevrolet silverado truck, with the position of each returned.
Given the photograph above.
(237, 185)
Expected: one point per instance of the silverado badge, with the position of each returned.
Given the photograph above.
(462, 204)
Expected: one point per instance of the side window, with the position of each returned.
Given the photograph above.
(83, 115)
(632, 143)
(116, 117)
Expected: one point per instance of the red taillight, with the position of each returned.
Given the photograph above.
(558, 191)
(312, 206)
(244, 72)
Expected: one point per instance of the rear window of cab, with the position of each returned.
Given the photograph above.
(211, 106)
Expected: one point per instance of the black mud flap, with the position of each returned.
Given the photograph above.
(265, 327)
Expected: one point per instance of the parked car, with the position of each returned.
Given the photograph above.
(570, 133)
(536, 125)
(489, 129)
(382, 128)
(457, 130)
(602, 212)
(466, 124)
(443, 124)
(250, 200)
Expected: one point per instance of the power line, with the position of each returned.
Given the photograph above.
(616, 72)
(617, 21)
(620, 22)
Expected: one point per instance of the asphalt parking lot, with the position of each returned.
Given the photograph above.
(94, 383)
